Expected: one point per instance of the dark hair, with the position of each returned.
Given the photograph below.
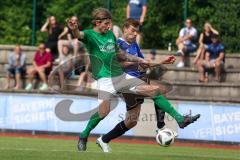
(131, 22)
(100, 14)
(153, 52)
(215, 36)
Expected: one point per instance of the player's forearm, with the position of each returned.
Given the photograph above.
(129, 64)
(125, 57)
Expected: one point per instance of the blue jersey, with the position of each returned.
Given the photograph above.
(215, 50)
(134, 50)
(136, 8)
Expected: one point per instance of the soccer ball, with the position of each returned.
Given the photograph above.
(165, 137)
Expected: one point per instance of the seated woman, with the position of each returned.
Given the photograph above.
(205, 41)
(16, 67)
(64, 69)
(83, 68)
(66, 38)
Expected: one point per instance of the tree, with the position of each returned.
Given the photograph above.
(163, 22)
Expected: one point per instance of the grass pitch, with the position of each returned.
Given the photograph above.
(12, 148)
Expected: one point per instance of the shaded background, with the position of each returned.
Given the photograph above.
(164, 18)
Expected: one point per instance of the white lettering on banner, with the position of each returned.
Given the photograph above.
(233, 129)
(33, 117)
(32, 106)
(228, 130)
(227, 117)
(203, 132)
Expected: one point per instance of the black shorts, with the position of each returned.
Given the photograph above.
(52, 45)
(132, 100)
(47, 71)
(14, 70)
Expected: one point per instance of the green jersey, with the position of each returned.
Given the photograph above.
(102, 49)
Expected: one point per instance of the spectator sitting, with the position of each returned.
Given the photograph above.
(65, 67)
(152, 55)
(185, 41)
(214, 59)
(83, 70)
(17, 67)
(69, 40)
(42, 64)
(137, 10)
(53, 29)
(205, 41)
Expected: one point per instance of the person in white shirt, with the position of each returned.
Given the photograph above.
(185, 41)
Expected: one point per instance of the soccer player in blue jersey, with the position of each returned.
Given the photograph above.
(128, 44)
(133, 102)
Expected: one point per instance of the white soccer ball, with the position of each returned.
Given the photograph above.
(165, 137)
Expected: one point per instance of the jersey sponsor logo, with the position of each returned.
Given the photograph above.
(108, 47)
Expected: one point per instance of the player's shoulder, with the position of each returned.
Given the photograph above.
(122, 43)
(110, 32)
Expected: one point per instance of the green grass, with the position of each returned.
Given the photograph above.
(47, 149)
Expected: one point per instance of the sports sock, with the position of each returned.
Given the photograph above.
(92, 123)
(117, 131)
(166, 106)
(160, 117)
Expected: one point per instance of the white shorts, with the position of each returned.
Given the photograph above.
(212, 62)
(109, 87)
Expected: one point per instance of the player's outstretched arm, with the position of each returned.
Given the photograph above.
(74, 28)
(169, 60)
(125, 57)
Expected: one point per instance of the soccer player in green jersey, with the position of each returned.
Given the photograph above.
(107, 70)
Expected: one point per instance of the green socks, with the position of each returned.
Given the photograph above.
(160, 101)
(92, 123)
(166, 106)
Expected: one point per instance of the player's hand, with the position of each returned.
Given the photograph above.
(169, 60)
